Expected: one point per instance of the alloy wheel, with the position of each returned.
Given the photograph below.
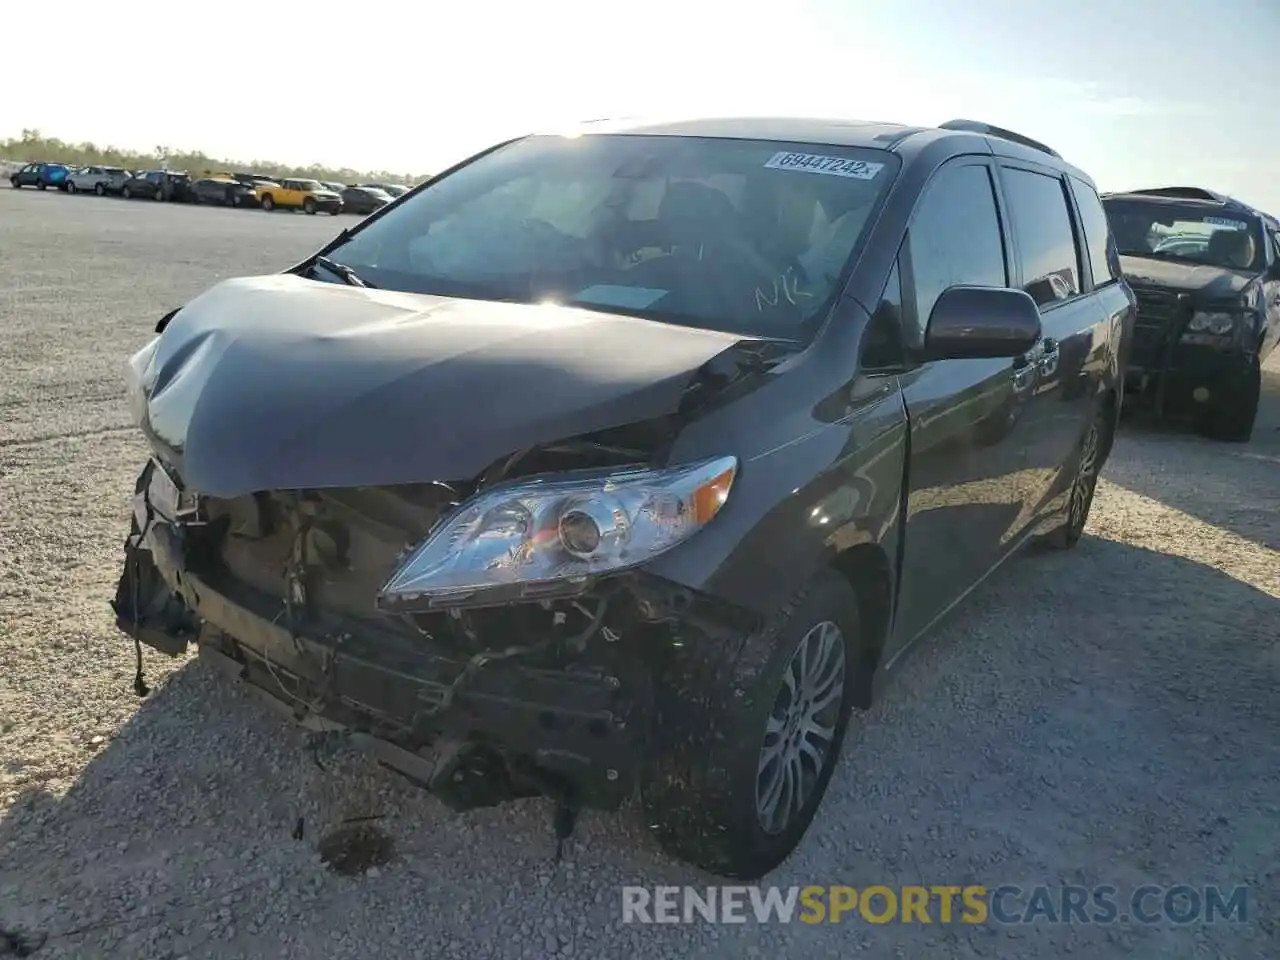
(801, 728)
(1086, 480)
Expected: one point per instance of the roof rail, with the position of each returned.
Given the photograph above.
(990, 130)
(1183, 193)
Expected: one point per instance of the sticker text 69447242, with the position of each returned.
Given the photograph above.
(831, 166)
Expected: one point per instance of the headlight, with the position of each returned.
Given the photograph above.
(1218, 323)
(550, 535)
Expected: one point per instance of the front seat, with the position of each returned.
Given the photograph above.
(1231, 247)
(691, 214)
(704, 221)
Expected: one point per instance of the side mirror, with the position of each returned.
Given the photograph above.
(969, 323)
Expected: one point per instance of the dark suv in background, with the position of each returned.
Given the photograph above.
(1206, 271)
(167, 185)
(633, 461)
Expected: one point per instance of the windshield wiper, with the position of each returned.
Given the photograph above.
(349, 276)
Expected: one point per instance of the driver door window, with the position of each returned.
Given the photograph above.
(954, 238)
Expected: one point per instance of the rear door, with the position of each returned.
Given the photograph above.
(1050, 266)
(964, 509)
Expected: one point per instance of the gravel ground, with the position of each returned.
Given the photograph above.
(1102, 716)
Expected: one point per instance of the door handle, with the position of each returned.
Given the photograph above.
(1024, 372)
(1048, 362)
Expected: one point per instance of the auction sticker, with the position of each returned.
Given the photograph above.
(831, 166)
(1224, 222)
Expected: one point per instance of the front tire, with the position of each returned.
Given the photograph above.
(71, 188)
(268, 204)
(126, 193)
(737, 801)
(100, 190)
(41, 185)
(309, 207)
(1233, 421)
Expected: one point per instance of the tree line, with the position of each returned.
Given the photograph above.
(33, 145)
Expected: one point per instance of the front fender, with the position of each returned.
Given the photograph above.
(818, 490)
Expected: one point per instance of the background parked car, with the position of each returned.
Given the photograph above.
(364, 200)
(224, 191)
(40, 175)
(93, 179)
(391, 189)
(335, 187)
(114, 184)
(309, 196)
(254, 179)
(168, 185)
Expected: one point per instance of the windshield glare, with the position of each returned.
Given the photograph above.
(744, 236)
(1189, 233)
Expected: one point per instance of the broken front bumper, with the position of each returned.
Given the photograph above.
(475, 732)
(1195, 375)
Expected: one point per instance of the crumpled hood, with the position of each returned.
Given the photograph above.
(278, 382)
(1206, 282)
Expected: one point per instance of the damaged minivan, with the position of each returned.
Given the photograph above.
(629, 462)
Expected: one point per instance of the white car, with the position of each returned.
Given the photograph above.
(94, 179)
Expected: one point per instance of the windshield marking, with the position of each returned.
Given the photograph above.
(787, 285)
(1224, 222)
(817, 163)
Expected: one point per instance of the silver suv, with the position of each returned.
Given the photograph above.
(96, 179)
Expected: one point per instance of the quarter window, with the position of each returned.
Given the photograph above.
(1097, 233)
(1046, 240)
(882, 344)
(954, 239)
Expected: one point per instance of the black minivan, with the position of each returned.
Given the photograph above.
(632, 461)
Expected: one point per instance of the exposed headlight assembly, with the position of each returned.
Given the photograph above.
(1212, 322)
(551, 535)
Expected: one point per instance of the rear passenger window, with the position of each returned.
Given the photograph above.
(954, 239)
(1097, 235)
(1046, 242)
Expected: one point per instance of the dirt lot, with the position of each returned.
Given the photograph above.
(1107, 716)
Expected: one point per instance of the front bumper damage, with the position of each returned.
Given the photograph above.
(476, 727)
(1175, 370)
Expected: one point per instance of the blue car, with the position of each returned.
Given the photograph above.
(41, 176)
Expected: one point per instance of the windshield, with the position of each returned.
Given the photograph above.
(745, 236)
(1185, 232)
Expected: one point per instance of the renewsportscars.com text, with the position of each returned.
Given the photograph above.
(974, 904)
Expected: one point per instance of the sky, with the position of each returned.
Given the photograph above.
(1136, 92)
